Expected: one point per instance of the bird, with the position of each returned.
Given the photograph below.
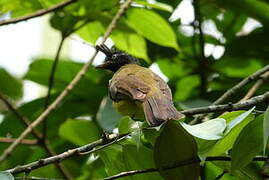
(137, 91)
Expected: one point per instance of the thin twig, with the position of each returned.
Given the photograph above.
(69, 87)
(228, 107)
(51, 82)
(24, 141)
(256, 86)
(35, 178)
(70, 153)
(241, 84)
(179, 164)
(37, 13)
(38, 136)
(257, 75)
(202, 59)
(23, 119)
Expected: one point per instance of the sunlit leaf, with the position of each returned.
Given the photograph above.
(132, 43)
(152, 26)
(6, 176)
(209, 130)
(91, 32)
(234, 127)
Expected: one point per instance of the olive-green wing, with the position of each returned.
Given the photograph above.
(128, 87)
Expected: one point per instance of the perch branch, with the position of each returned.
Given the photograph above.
(179, 164)
(228, 107)
(69, 87)
(37, 13)
(70, 153)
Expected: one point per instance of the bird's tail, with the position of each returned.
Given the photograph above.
(157, 111)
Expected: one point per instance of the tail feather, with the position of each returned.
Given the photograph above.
(157, 111)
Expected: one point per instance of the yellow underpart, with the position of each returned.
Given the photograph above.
(133, 109)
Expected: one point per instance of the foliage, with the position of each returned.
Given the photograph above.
(195, 80)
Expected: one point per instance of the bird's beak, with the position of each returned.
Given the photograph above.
(101, 66)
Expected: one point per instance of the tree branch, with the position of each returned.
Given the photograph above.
(24, 141)
(256, 86)
(203, 64)
(89, 148)
(43, 143)
(241, 84)
(69, 87)
(179, 164)
(37, 13)
(228, 107)
(258, 74)
(35, 178)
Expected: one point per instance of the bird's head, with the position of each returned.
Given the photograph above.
(115, 58)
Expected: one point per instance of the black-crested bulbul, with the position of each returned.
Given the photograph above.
(137, 91)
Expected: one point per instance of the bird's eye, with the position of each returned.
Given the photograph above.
(114, 56)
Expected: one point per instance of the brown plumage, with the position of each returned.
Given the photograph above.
(138, 91)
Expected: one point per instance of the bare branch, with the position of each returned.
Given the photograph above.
(182, 163)
(256, 86)
(69, 87)
(257, 75)
(37, 13)
(38, 136)
(228, 107)
(70, 153)
(24, 141)
(241, 84)
(35, 178)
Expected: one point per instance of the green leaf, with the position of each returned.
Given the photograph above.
(106, 116)
(173, 146)
(237, 120)
(91, 32)
(209, 130)
(79, 132)
(39, 71)
(237, 67)
(10, 86)
(255, 8)
(232, 131)
(141, 158)
(124, 125)
(98, 5)
(156, 5)
(152, 26)
(173, 69)
(185, 87)
(266, 128)
(6, 176)
(64, 21)
(248, 144)
(132, 43)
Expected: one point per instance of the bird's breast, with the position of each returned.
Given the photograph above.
(129, 108)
